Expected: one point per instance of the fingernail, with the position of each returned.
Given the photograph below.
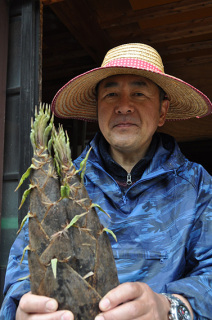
(99, 317)
(104, 304)
(66, 316)
(51, 305)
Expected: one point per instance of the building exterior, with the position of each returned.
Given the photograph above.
(19, 33)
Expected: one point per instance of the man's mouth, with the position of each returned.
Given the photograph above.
(124, 124)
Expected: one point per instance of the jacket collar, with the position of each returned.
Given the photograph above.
(119, 173)
(167, 156)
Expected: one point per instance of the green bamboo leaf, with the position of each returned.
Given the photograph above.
(65, 191)
(83, 165)
(24, 278)
(24, 177)
(75, 219)
(93, 205)
(25, 249)
(29, 215)
(25, 195)
(47, 131)
(54, 267)
(39, 129)
(68, 149)
(62, 150)
(56, 163)
(111, 232)
(49, 147)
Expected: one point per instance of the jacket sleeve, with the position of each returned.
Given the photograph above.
(196, 285)
(15, 286)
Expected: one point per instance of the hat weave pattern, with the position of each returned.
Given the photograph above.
(77, 98)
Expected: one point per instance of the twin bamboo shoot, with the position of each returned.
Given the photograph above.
(70, 256)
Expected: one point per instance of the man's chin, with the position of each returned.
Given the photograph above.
(124, 145)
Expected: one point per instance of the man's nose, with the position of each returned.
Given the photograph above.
(124, 106)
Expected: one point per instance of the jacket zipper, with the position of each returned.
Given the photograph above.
(153, 175)
(129, 179)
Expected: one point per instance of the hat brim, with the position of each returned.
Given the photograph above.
(77, 98)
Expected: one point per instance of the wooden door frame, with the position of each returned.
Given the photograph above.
(4, 17)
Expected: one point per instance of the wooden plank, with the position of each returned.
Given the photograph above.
(81, 21)
(138, 4)
(169, 33)
(191, 50)
(65, 72)
(188, 53)
(3, 76)
(190, 40)
(151, 22)
(195, 57)
(198, 76)
(110, 9)
(29, 84)
(191, 61)
(188, 46)
(158, 12)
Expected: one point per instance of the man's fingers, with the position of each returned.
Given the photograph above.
(58, 315)
(121, 294)
(129, 310)
(34, 307)
(132, 301)
(31, 303)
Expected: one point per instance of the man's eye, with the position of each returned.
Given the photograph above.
(139, 94)
(111, 94)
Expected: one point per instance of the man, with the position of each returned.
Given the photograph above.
(159, 202)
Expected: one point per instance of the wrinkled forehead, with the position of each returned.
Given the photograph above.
(134, 80)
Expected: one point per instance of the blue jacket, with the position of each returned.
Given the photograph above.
(163, 225)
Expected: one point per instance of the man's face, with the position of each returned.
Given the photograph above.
(129, 112)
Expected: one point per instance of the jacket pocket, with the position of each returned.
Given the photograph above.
(140, 254)
(161, 256)
(140, 265)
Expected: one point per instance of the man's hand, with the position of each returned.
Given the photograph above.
(133, 301)
(34, 307)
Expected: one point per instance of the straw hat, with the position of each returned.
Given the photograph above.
(76, 99)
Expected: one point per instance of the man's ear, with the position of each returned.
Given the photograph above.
(163, 111)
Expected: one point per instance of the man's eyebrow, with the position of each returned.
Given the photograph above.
(110, 84)
(138, 83)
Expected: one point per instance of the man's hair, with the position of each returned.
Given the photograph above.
(162, 94)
